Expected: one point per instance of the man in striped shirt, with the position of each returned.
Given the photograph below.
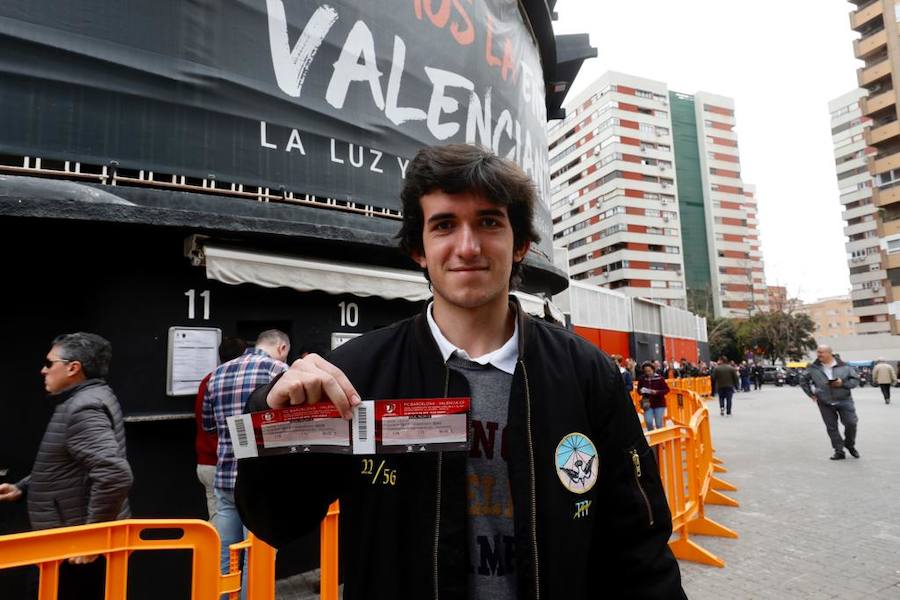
(229, 387)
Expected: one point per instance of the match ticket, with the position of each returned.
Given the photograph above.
(377, 427)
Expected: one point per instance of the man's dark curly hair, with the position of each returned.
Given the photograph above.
(460, 168)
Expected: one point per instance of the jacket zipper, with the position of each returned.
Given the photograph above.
(437, 511)
(636, 461)
(537, 573)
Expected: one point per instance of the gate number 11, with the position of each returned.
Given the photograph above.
(191, 294)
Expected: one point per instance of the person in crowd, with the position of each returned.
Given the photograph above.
(653, 390)
(758, 373)
(884, 376)
(206, 443)
(226, 394)
(494, 518)
(621, 362)
(81, 473)
(828, 381)
(631, 365)
(725, 379)
(744, 372)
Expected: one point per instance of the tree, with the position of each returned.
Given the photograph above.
(776, 335)
(723, 338)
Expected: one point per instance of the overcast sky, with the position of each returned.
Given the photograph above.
(782, 61)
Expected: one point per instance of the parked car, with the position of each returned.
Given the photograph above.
(769, 373)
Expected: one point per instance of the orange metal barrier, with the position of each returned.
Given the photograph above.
(329, 553)
(117, 540)
(687, 467)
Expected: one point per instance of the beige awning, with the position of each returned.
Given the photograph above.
(308, 274)
(234, 267)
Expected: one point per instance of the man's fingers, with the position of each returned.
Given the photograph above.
(309, 380)
(337, 396)
(340, 378)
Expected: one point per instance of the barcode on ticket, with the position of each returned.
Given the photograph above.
(243, 439)
(364, 428)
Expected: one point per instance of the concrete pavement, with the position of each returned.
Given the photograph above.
(810, 527)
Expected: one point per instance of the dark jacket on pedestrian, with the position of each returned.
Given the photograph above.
(815, 382)
(408, 540)
(724, 375)
(627, 378)
(658, 388)
(81, 473)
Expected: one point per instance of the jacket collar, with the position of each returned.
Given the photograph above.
(67, 393)
(838, 363)
(429, 346)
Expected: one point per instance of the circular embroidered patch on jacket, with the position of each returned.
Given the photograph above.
(576, 462)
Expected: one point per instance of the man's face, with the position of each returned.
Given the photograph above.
(59, 373)
(824, 355)
(468, 243)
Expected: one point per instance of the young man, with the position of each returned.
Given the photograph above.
(558, 495)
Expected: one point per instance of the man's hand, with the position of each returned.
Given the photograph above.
(814, 398)
(9, 492)
(837, 382)
(83, 560)
(310, 379)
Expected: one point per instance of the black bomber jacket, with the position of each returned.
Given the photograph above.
(404, 537)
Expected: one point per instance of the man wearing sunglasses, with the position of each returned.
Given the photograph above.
(81, 473)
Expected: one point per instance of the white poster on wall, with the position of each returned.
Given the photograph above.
(193, 352)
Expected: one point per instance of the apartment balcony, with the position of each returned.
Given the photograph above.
(867, 76)
(891, 261)
(859, 228)
(859, 18)
(871, 43)
(877, 135)
(868, 293)
(868, 311)
(888, 228)
(885, 196)
(877, 327)
(872, 104)
(883, 165)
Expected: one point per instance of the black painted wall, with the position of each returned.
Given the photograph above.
(647, 346)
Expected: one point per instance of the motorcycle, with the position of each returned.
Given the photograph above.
(779, 378)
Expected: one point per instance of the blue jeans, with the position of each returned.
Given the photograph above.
(657, 416)
(725, 396)
(231, 531)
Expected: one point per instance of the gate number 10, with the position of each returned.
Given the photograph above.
(349, 314)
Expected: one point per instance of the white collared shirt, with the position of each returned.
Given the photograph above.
(504, 358)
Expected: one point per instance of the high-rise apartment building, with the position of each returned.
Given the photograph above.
(874, 293)
(718, 210)
(648, 197)
(613, 189)
(869, 289)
